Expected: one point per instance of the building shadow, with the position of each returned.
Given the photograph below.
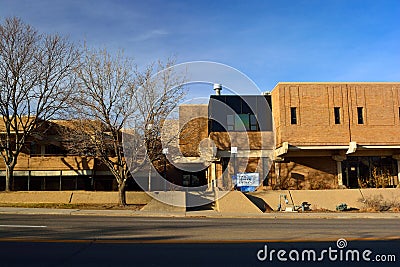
(259, 202)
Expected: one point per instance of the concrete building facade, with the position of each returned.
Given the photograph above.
(298, 136)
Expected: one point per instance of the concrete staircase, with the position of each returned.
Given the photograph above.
(224, 202)
(236, 202)
(166, 202)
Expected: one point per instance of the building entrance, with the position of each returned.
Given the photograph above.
(369, 172)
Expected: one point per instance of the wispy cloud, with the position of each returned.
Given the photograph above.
(270, 41)
(150, 35)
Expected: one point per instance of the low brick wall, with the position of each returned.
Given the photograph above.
(35, 197)
(327, 199)
(319, 199)
(73, 197)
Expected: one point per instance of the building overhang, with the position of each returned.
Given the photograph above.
(290, 150)
(54, 173)
(298, 148)
(190, 160)
(286, 148)
(253, 153)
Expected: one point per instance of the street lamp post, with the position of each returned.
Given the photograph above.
(149, 127)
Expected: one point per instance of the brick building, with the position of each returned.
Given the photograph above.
(328, 135)
(44, 164)
(228, 121)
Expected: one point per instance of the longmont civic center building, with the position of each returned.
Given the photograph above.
(326, 135)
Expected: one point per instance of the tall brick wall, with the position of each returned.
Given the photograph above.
(242, 140)
(304, 173)
(193, 126)
(315, 104)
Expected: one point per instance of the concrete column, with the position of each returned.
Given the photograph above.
(339, 159)
(397, 157)
(339, 173)
(213, 175)
(398, 170)
(209, 173)
(29, 180)
(60, 181)
(277, 173)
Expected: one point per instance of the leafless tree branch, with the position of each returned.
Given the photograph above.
(35, 82)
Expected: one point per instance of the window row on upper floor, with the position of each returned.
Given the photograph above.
(336, 114)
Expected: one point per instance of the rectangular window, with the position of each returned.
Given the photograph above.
(230, 122)
(53, 150)
(336, 111)
(360, 115)
(293, 115)
(33, 148)
(242, 122)
(253, 123)
(186, 179)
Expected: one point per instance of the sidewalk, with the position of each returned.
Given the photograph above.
(202, 214)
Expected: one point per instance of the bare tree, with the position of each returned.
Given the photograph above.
(111, 95)
(35, 81)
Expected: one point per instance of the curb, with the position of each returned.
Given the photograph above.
(198, 214)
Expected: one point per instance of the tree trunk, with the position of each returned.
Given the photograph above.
(9, 175)
(122, 195)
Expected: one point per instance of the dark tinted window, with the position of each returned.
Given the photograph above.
(239, 113)
(293, 115)
(360, 115)
(337, 115)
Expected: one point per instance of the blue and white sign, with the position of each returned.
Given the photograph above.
(248, 179)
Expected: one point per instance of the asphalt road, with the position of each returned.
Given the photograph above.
(193, 229)
(29, 240)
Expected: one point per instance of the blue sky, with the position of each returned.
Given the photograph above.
(269, 41)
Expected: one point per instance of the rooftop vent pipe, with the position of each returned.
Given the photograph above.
(217, 88)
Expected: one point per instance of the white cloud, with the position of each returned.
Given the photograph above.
(150, 35)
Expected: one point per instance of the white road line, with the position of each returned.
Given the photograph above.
(172, 220)
(22, 226)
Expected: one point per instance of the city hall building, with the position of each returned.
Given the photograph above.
(297, 136)
(327, 135)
